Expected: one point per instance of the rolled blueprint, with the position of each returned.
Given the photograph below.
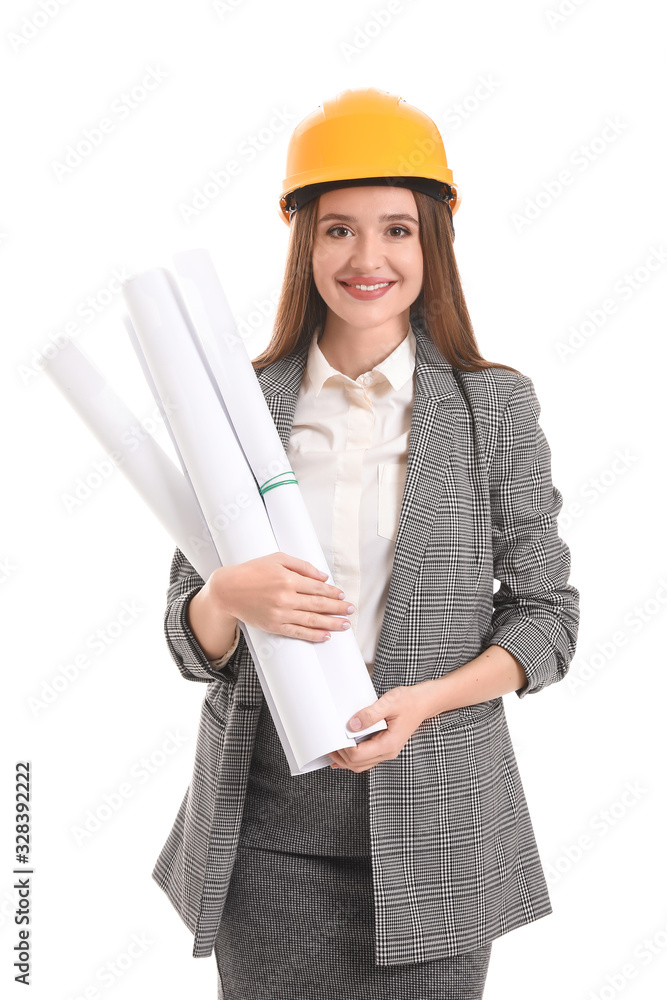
(230, 365)
(284, 738)
(138, 456)
(214, 560)
(225, 487)
(164, 489)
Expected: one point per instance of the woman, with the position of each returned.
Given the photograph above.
(426, 474)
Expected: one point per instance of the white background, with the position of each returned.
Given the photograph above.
(535, 93)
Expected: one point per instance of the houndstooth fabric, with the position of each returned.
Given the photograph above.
(324, 812)
(300, 927)
(454, 858)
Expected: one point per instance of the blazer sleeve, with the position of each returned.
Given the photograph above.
(190, 658)
(535, 610)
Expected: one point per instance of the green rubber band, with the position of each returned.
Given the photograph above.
(289, 482)
(285, 482)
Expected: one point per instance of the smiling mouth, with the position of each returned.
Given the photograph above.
(368, 288)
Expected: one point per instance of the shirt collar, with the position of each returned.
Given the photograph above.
(397, 367)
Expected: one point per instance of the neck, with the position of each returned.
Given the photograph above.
(354, 350)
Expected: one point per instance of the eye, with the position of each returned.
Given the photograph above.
(392, 229)
(334, 228)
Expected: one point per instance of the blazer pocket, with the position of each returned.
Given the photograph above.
(469, 715)
(391, 483)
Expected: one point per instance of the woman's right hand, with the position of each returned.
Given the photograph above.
(281, 594)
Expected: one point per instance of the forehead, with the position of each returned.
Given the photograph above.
(368, 201)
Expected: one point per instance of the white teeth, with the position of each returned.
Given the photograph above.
(370, 288)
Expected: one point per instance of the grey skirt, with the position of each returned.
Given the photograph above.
(300, 927)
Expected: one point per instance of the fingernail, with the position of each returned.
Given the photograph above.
(341, 596)
(328, 635)
(345, 625)
(355, 723)
(350, 609)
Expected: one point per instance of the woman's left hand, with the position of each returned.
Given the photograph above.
(403, 708)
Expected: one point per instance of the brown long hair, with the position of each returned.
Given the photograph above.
(440, 309)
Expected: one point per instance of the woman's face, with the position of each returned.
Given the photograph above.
(368, 235)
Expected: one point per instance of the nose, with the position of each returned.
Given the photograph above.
(367, 254)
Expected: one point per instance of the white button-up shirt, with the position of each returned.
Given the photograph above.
(349, 449)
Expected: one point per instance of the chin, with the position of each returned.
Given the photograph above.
(365, 318)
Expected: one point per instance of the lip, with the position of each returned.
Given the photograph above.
(365, 279)
(357, 293)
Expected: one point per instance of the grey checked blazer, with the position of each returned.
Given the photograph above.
(455, 863)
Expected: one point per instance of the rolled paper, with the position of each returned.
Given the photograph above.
(139, 457)
(230, 365)
(233, 508)
(134, 340)
(162, 487)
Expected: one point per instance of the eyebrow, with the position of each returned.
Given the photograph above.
(395, 217)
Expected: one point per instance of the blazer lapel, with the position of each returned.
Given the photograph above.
(437, 408)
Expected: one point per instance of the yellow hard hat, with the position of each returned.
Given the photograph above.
(365, 136)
